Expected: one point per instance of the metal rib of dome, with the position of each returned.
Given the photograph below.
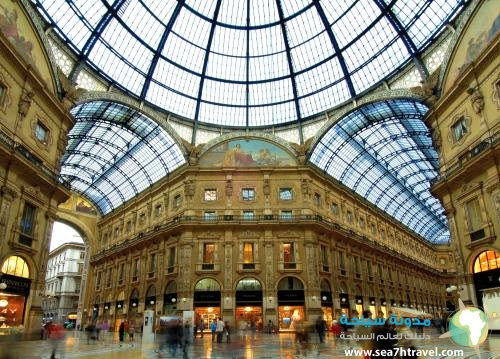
(383, 151)
(115, 152)
(247, 63)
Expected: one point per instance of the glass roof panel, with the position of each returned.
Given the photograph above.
(157, 50)
(115, 152)
(375, 151)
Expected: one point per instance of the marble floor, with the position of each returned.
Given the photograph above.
(256, 346)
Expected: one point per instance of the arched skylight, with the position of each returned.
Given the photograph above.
(247, 62)
(114, 152)
(383, 151)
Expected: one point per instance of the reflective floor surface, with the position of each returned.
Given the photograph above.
(258, 346)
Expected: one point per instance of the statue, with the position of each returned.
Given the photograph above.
(25, 103)
(193, 152)
(70, 93)
(301, 150)
(476, 99)
(427, 88)
(229, 188)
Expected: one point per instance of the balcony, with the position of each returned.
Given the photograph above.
(253, 267)
(208, 267)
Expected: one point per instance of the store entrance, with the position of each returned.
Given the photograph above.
(291, 303)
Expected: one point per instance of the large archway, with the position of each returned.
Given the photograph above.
(291, 303)
(249, 304)
(486, 275)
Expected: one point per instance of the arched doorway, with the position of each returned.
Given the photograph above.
(133, 307)
(486, 268)
(150, 300)
(170, 298)
(345, 307)
(291, 302)
(14, 291)
(249, 304)
(326, 301)
(207, 301)
(119, 316)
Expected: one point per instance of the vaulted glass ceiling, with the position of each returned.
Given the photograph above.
(115, 152)
(383, 151)
(247, 62)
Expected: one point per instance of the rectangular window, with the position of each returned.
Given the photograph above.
(120, 273)
(362, 222)
(82, 255)
(98, 279)
(289, 255)
(108, 278)
(209, 216)
(317, 199)
(459, 129)
(341, 260)
(334, 207)
(152, 265)
(373, 228)
(136, 270)
(473, 215)
(349, 217)
(208, 253)
(80, 267)
(3, 93)
(158, 210)
(369, 268)
(129, 226)
(248, 215)
(356, 265)
(324, 258)
(286, 215)
(117, 232)
(177, 201)
(41, 133)
(142, 218)
(210, 195)
(248, 253)
(286, 194)
(248, 194)
(28, 219)
(171, 260)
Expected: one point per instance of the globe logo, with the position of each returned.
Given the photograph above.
(469, 327)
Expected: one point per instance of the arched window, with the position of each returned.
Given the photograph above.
(171, 287)
(290, 283)
(17, 266)
(207, 284)
(325, 286)
(486, 261)
(248, 284)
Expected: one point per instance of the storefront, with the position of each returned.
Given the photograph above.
(291, 303)
(326, 302)
(345, 308)
(133, 315)
(170, 299)
(249, 304)
(13, 300)
(206, 301)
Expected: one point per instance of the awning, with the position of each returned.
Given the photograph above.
(408, 312)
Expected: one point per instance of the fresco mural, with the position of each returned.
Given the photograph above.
(484, 27)
(8, 25)
(246, 153)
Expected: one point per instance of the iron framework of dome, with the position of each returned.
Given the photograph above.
(384, 153)
(247, 63)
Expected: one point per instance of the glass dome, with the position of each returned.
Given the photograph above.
(247, 63)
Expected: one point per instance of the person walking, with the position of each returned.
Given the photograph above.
(213, 328)
(320, 327)
(121, 332)
(131, 331)
(227, 331)
(202, 327)
(219, 330)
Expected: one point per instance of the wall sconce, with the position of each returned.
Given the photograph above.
(184, 300)
(343, 300)
(451, 288)
(95, 309)
(358, 301)
(324, 297)
(106, 307)
(85, 309)
(3, 286)
(119, 306)
(151, 302)
(384, 303)
(134, 304)
(314, 297)
(372, 302)
(174, 300)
